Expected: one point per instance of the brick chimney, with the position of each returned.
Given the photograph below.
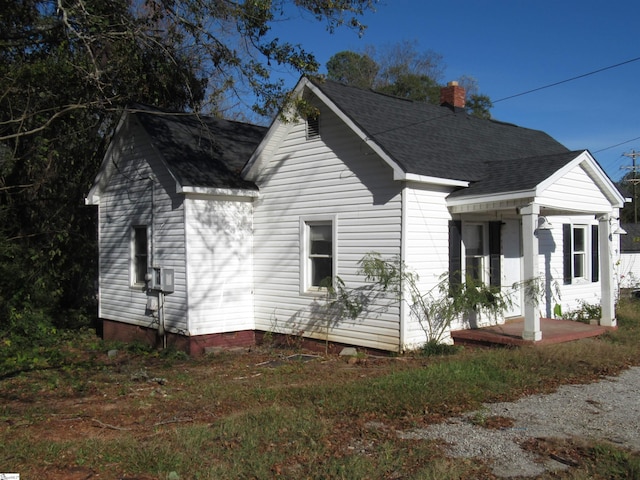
(453, 95)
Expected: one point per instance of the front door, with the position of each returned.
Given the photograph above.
(512, 265)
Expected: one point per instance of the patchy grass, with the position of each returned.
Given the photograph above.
(147, 415)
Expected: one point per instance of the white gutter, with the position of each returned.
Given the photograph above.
(220, 192)
(413, 177)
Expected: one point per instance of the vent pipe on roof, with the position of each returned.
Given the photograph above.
(452, 95)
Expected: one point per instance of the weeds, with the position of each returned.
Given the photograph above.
(224, 416)
(585, 313)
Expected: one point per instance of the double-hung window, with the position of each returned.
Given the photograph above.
(318, 259)
(139, 254)
(581, 253)
(473, 237)
(475, 250)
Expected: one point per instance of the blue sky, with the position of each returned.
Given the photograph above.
(513, 46)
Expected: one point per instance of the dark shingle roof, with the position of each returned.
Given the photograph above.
(516, 174)
(201, 151)
(439, 141)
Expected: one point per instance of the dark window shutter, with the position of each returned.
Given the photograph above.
(494, 253)
(455, 254)
(566, 252)
(595, 254)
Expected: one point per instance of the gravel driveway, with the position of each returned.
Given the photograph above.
(607, 410)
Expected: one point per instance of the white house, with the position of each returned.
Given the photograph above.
(629, 265)
(252, 222)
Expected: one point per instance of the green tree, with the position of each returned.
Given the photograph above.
(351, 68)
(420, 88)
(479, 106)
(402, 60)
(67, 69)
(404, 71)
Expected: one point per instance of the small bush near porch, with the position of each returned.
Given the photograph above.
(87, 408)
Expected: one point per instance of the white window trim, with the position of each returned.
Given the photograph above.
(485, 250)
(586, 253)
(305, 263)
(132, 258)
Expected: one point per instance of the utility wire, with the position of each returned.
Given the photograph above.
(567, 80)
(617, 145)
(536, 90)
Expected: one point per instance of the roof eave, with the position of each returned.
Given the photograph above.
(491, 197)
(217, 191)
(397, 170)
(106, 167)
(412, 177)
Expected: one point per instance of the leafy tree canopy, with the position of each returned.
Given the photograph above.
(67, 67)
(352, 68)
(404, 71)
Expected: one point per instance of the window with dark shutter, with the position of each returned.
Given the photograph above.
(581, 257)
(566, 253)
(455, 254)
(595, 254)
(494, 254)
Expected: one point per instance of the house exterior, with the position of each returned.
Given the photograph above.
(169, 195)
(254, 244)
(629, 265)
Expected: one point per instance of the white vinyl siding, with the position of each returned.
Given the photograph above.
(305, 178)
(426, 246)
(219, 250)
(140, 192)
(629, 270)
(575, 191)
(551, 267)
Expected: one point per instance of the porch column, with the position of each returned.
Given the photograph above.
(530, 269)
(607, 283)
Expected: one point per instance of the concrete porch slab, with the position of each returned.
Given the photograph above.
(510, 333)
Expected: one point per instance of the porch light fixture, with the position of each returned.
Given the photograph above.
(618, 230)
(544, 224)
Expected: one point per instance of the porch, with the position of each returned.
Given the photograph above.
(510, 333)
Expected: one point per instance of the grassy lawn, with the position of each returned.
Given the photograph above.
(145, 415)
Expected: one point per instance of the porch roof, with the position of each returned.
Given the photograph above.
(516, 175)
(569, 182)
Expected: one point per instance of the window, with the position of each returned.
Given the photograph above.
(318, 254)
(139, 257)
(581, 253)
(481, 243)
(474, 252)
